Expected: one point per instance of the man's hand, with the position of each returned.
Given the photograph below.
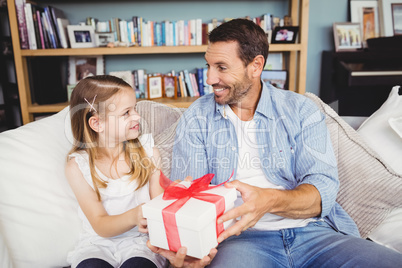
(180, 259)
(254, 207)
(302, 202)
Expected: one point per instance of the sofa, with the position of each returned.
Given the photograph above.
(38, 211)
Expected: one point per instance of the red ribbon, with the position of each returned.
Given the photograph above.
(183, 194)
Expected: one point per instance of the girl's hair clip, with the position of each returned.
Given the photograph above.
(91, 104)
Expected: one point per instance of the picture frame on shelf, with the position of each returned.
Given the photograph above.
(84, 66)
(389, 8)
(284, 35)
(397, 18)
(81, 36)
(170, 86)
(103, 39)
(155, 87)
(347, 36)
(366, 13)
(276, 78)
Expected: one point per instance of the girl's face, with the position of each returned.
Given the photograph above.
(122, 120)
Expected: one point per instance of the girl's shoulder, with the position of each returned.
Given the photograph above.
(78, 154)
(80, 160)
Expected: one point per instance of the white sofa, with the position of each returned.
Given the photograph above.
(38, 211)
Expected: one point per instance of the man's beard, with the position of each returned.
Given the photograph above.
(236, 92)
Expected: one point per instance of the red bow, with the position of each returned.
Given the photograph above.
(183, 194)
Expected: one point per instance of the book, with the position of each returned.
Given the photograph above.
(192, 32)
(200, 81)
(35, 25)
(198, 32)
(22, 27)
(142, 83)
(193, 81)
(183, 89)
(135, 28)
(178, 86)
(136, 85)
(51, 28)
(123, 31)
(188, 83)
(40, 28)
(56, 15)
(180, 32)
(62, 25)
(45, 29)
(116, 23)
(30, 26)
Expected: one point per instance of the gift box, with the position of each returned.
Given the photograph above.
(190, 220)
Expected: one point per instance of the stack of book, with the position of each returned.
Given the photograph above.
(46, 27)
(140, 32)
(41, 28)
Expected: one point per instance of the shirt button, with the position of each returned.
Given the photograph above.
(233, 148)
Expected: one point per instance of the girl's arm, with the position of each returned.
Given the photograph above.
(155, 188)
(104, 224)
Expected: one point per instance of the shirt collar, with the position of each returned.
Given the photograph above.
(264, 106)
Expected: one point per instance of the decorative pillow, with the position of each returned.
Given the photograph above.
(160, 120)
(380, 130)
(383, 132)
(38, 211)
(369, 188)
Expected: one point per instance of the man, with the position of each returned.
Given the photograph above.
(277, 143)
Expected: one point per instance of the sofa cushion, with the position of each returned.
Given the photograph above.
(369, 188)
(38, 210)
(383, 132)
(160, 120)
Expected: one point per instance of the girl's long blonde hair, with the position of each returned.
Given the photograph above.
(89, 98)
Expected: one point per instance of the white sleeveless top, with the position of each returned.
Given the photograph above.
(118, 197)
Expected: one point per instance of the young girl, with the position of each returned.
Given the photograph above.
(112, 171)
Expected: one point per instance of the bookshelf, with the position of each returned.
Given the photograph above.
(296, 55)
(9, 103)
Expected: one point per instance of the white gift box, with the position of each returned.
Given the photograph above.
(195, 220)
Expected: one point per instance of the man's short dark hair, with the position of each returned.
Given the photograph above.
(251, 38)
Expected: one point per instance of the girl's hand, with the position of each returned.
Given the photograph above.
(140, 220)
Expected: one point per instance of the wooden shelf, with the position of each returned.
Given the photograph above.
(296, 60)
(57, 107)
(138, 50)
(114, 51)
(183, 102)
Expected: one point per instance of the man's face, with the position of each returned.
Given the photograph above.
(227, 73)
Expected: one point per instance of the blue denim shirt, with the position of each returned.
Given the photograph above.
(293, 142)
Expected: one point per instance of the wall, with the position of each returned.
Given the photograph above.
(322, 14)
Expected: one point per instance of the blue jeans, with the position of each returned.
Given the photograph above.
(316, 245)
